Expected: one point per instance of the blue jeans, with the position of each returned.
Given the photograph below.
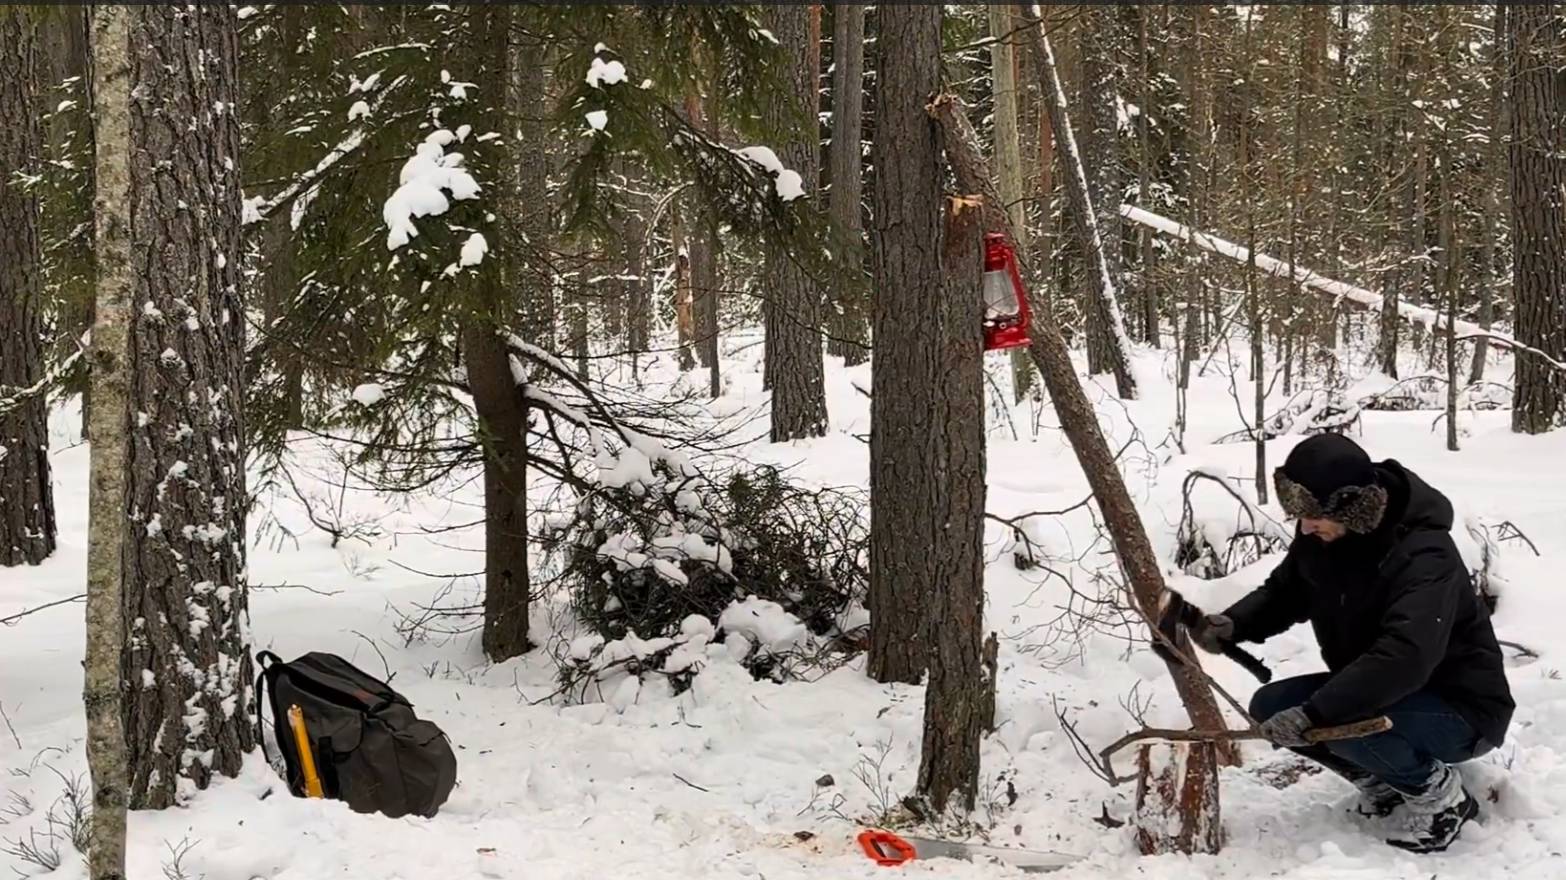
(1426, 732)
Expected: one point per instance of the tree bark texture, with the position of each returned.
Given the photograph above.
(1098, 242)
(703, 245)
(684, 316)
(27, 526)
(907, 263)
(1494, 157)
(845, 167)
(796, 368)
(1103, 43)
(1536, 42)
(503, 426)
(189, 709)
(949, 541)
(109, 356)
(527, 220)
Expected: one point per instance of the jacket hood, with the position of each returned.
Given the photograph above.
(1413, 504)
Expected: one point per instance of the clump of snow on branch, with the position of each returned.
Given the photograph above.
(473, 250)
(426, 180)
(605, 73)
(786, 181)
(369, 394)
(597, 119)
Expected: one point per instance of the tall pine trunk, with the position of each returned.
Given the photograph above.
(499, 402)
(189, 708)
(1494, 172)
(27, 527)
(704, 245)
(795, 369)
(959, 704)
(1103, 44)
(845, 168)
(1536, 42)
(906, 253)
(107, 526)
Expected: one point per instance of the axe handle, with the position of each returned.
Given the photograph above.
(1249, 661)
(1352, 730)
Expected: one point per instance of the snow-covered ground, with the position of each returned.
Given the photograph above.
(716, 783)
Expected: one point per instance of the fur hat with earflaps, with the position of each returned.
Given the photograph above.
(1327, 476)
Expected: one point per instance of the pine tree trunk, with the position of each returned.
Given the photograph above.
(638, 307)
(503, 425)
(1149, 286)
(703, 245)
(949, 545)
(1495, 171)
(189, 708)
(27, 527)
(684, 317)
(1102, 42)
(1536, 42)
(528, 224)
(1248, 174)
(107, 525)
(490, 306)
(906, 255)
(796, 369)
(1008, 157)
(845, 163)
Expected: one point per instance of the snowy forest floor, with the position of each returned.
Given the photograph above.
(715, 783)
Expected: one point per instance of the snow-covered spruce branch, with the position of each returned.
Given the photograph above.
(12, 398)
(258, 209)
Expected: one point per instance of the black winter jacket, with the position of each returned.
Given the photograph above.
(1394, 612)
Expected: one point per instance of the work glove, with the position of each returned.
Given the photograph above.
(1213, 632)
(1287, 728)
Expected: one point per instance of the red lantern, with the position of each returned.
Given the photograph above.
(1005, 299)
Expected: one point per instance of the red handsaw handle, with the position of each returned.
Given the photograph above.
(886, 849)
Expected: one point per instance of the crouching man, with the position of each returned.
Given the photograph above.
(1373, 568)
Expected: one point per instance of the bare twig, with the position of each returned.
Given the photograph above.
(12, 620)
(377, 648)
(8, 725)
(691, 784)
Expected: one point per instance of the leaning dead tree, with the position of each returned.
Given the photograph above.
(1187, 773)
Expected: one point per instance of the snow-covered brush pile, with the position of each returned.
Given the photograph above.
(1429, 393)
(1312, 411)
(661, 554)
(1221, 528)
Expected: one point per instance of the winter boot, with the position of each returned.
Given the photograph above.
(1431, 819)
(1376, 800)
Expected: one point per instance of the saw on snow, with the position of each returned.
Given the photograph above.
(893, 850)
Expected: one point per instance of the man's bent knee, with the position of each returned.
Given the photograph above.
(1270, 699)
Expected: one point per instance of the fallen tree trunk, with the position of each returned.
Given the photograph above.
(1430, 319)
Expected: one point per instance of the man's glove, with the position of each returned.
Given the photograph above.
(1213, 632)
(1287, 728)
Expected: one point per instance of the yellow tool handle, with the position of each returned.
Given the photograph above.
(306, 758)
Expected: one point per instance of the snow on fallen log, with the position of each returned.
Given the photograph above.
(1429, 318)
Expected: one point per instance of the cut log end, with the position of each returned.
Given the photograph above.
(1177, 799)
